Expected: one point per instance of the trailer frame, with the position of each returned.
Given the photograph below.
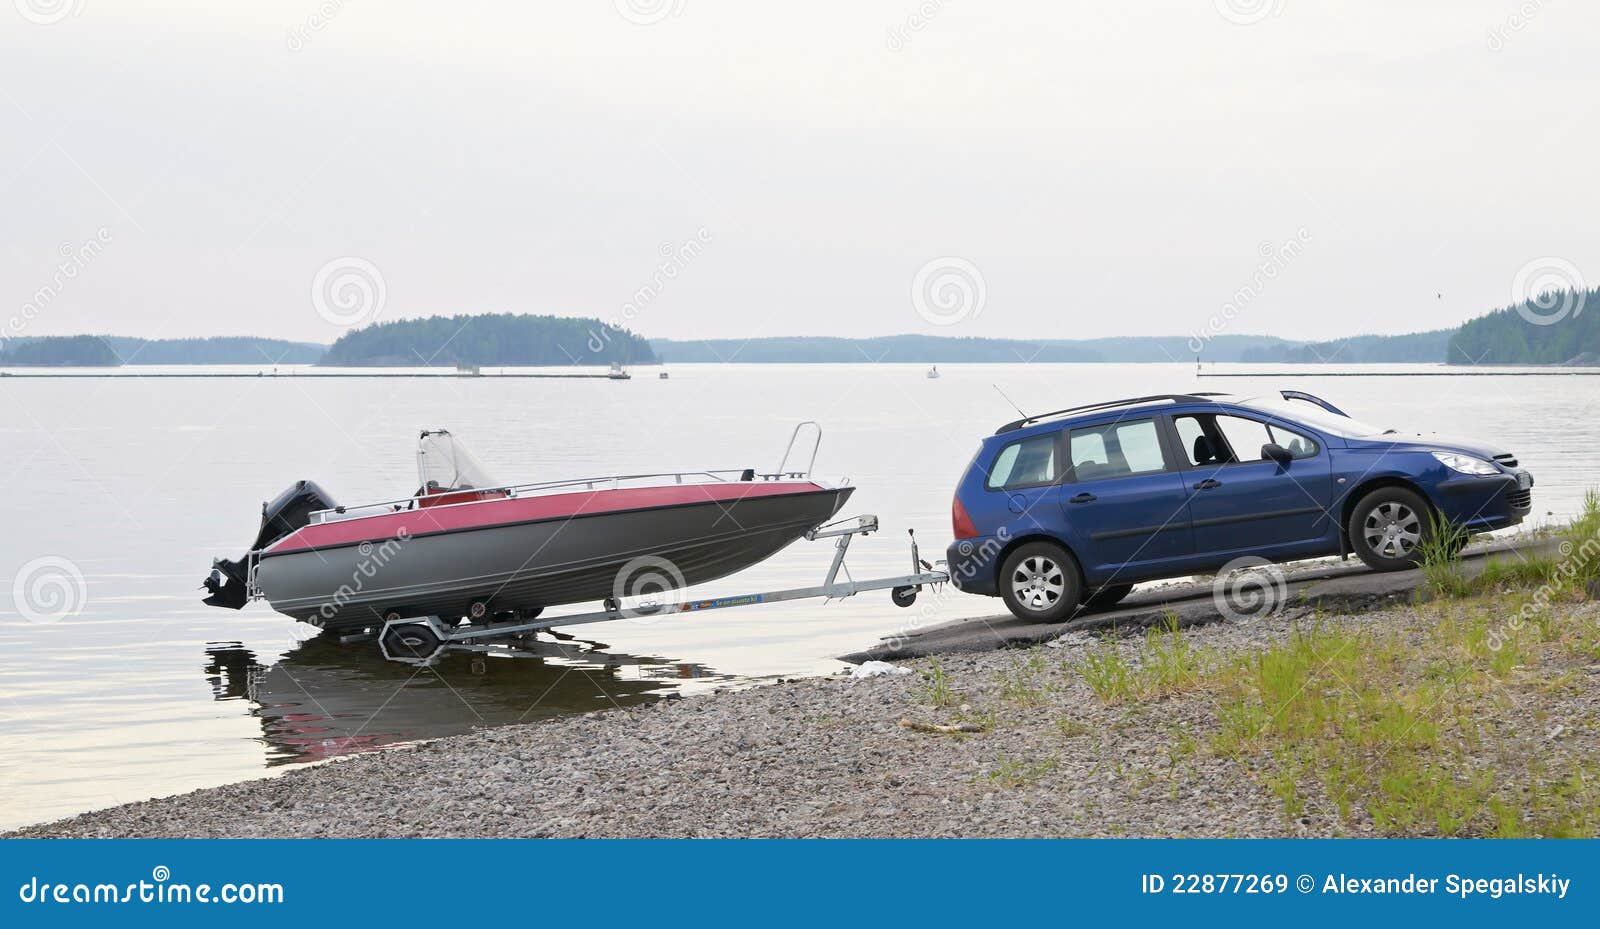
(422, 640)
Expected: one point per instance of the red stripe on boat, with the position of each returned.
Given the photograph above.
(524, 509)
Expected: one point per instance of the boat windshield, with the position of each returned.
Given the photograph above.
(443, 463)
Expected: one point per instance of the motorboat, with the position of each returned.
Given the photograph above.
(467, 547)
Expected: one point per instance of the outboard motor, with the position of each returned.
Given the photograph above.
(229, 583)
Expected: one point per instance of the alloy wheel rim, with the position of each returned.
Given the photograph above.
(1392, 529)
(1038, 583)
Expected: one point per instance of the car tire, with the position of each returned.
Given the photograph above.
(1040, 583)
(1389, 527)
(1106, 597)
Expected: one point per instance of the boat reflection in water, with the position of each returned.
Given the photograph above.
(322, 699)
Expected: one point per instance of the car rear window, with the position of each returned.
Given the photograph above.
(1116, 449)
(1025, 462)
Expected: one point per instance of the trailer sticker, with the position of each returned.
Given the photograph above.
(722, 602)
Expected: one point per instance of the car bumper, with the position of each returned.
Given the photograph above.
(975, 563)
(1481, 504)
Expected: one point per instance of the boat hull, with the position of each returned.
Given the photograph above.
(582, 557)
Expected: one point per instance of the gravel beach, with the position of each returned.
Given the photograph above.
(816, 757)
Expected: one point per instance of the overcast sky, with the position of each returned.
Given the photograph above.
(1038, 170)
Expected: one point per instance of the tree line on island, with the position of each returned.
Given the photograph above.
(492, 340)
(1552, 329)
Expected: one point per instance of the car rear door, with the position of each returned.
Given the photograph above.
(1124, 499)
(1239, 499)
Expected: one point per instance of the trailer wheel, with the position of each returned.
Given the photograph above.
(477, 611)
(903, 596)
(411, 640)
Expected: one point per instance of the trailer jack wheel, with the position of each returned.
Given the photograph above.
(903, 596)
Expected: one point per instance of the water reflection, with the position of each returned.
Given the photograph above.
(323, 699)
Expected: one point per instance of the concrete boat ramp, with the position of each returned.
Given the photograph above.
(1329, 586)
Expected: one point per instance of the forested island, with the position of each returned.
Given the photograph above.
(495, 339)
(1555, 329)
(1413, 348)
(1424, 347)
(109, 351)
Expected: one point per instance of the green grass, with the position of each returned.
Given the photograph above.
(1400, 728)
(1014, 773)
(936, 686)
(1409, 731)
(1441, 559)
(1574, 565)
(1166, 661)
(1027, 683)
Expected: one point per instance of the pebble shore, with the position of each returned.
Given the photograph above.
(800, 758)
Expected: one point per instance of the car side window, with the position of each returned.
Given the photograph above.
(1244, 436)
(1117, 449)
(1299, 446)
(1221, 439)
(1024, 463)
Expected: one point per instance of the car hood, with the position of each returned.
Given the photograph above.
(1425, 441)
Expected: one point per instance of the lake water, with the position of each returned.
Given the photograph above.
(139, 482)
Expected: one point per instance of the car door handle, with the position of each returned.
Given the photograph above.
(1084, 497)
(1207, 484)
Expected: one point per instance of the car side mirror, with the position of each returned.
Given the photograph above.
(1272, 451)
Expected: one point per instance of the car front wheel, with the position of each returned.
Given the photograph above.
(1040, 583)
(1389, 527)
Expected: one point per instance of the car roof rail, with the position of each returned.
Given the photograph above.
(1201, 397)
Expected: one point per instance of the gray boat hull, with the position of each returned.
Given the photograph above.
(529, 565)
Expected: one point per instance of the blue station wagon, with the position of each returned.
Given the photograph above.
(1070, 509)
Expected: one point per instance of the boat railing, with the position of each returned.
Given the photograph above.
(607, 482)
(788, 450)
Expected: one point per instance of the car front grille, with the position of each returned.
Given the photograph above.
(1520, 499)
(1507, 460)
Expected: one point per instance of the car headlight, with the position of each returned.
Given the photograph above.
(1466, 464)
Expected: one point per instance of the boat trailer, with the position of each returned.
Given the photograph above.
(422, 640)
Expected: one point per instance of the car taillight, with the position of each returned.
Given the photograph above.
(960, 522)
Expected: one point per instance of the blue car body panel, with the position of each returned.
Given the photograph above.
(1188, 518)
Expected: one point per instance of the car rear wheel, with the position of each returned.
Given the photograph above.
(1040, 583)
(1389, 527)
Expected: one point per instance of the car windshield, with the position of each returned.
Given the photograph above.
(1314, 416)
(445, 464)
